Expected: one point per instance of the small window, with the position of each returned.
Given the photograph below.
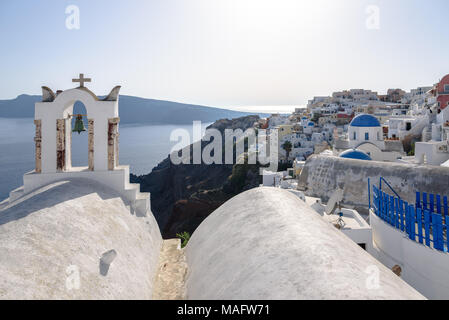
(408, 126)
(366, 136)
(446, 88)
(355, 136)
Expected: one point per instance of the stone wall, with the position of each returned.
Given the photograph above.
(323, 174)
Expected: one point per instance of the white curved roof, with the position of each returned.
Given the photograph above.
(73, 223)
(268, 244)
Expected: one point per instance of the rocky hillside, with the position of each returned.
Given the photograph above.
(182, 196)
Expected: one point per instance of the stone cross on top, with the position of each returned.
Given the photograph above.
(81, 80)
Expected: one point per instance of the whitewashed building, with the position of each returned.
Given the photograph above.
(436, 151)
(366, 137)
(277, 120)
(402, 126)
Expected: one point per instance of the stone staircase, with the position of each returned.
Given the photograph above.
(427, 133)
(13, 196)
(4, 203)
(16, 194)
(140, 201)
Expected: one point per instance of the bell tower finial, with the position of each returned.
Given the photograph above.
(81, 80)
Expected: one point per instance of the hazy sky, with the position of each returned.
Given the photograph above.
(224, 52)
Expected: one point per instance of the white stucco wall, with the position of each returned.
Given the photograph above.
(372, 150)
(266, 243)
(443, 116)
(422, 267)
(70, 224)
(375, 136)
(429, 153)
(377, 154)
(358, 230)
(271, 179)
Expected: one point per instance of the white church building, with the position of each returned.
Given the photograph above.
(365, 140)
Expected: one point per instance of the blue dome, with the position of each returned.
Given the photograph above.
(365, 120)
(355, 154)
(311, 124)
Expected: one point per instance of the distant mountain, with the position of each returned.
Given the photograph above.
(20, 107)
(135, 110)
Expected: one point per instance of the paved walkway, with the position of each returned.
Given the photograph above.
(170, 278)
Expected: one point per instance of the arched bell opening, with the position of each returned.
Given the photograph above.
(79, 135)
(75, 139)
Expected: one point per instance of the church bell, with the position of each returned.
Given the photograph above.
(79, 125)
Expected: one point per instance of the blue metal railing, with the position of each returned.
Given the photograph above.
(388, 185)
(426, 222)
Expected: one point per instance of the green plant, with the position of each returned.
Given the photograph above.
(185, 237)
(287, 146)
(412, 150)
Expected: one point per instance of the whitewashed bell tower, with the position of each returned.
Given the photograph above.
(53, 120)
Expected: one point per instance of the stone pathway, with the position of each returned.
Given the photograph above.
(170, 278)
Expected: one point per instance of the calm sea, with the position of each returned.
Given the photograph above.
(141, 147)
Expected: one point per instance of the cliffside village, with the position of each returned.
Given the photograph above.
(379, 173)
(407, 127)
